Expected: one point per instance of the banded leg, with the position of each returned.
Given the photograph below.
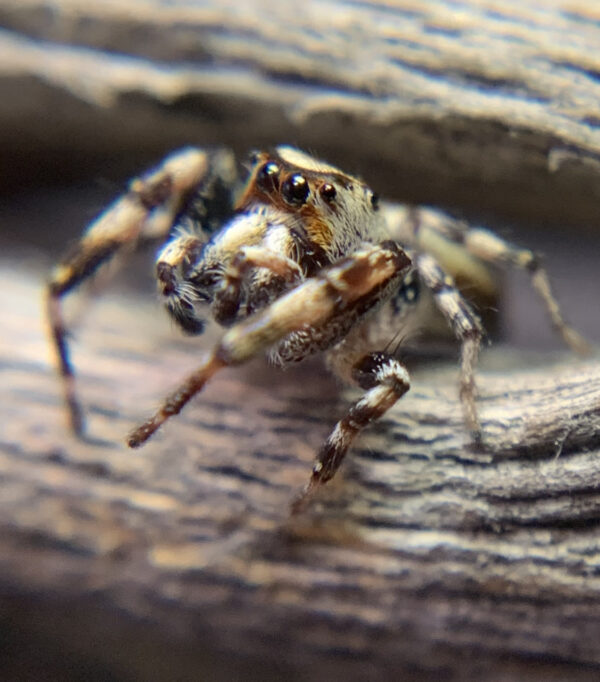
(489, 247)
(466, 327)
(420, 226)
(334, 292)
(385, 381)
(146, 211)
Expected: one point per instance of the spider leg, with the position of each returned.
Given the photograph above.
(425, 228)
(146, 211)
(385, 381)
(466, 327)
(489, 247)
(333, 293)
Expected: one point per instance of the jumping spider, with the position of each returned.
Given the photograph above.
(298, 259)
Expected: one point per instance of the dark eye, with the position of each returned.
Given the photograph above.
(267, 176)
(375, 201)
(328, 192)
(295, 189)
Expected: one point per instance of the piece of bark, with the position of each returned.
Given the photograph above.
(491, 108)
(423, 557)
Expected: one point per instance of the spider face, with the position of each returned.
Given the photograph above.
(303, 211)
(332, 209)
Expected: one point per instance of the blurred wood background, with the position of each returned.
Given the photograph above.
(424, 559)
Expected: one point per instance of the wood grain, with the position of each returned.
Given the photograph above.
(423, 556)
(490, 107)
(424, 559)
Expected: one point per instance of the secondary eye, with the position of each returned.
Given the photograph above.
(328, 192)
(295, 189)
(267, 176)
(375, 201)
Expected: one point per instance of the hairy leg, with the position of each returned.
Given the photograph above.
(489, 247)
(454, 243)
(146, 211)
(334, 292)
(465, 325)
(385, 381)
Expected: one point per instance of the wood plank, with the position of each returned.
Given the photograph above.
(424, 558)
(491, 108)
(423, 555)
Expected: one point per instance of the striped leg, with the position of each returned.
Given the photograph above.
(465, 325)
(489, 247)
(341, 290)
(385, 381)
(486, 246)
(146, 211)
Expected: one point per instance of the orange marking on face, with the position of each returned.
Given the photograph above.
(317, 227)
(318, 230)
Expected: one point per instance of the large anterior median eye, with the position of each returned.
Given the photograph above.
(295, 189)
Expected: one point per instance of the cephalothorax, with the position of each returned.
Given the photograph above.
(297, 260)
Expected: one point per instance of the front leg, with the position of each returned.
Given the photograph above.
(385, 381)
(337, 292)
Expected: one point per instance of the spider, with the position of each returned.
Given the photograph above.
(298, 259)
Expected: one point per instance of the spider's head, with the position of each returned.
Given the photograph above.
(332, 207)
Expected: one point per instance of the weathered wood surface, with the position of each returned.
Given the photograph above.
(423, 557)
(490, 107)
